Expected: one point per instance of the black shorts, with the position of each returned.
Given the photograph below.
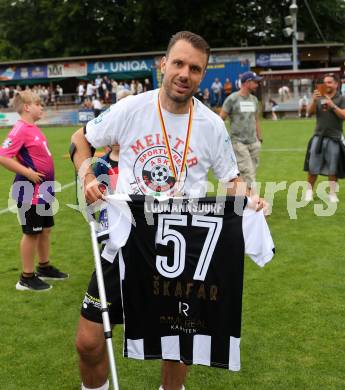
(91, 307)
(34, 218)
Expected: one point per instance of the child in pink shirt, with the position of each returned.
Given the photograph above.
(33, 190)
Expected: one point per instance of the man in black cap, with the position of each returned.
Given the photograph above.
(242, 109)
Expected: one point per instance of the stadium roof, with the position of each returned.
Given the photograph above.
(325, 45)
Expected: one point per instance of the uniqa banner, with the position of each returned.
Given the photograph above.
(100, 67)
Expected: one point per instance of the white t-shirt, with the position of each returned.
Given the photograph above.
(96, 104)
(144, 167)
(258, 242)
(81, 90)
(90, 89)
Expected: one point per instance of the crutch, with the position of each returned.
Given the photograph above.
(104, 307)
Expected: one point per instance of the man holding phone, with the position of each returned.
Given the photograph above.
(324, 149)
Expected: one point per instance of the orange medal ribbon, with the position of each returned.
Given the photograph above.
(167, 143)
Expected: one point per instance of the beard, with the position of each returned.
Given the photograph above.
(178, 98)
(253, 90)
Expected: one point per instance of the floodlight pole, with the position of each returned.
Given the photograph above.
(293, 12)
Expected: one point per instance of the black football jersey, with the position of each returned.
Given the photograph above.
(182, 278)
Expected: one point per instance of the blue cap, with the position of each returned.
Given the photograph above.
(250, 76)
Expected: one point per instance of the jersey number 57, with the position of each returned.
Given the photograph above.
(166, 233)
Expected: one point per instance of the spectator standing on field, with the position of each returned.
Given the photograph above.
(284, 93)
(274, 108)
(90, 90)
(139, 86)
(324, 155)
(147, 85)
(217, 90)
(80, 92)
(242, 109)
(302, 107)
(238, 82)
(206, 97)
(34, 170)
(227, 87)
(133, 87)
(98, 82)
(96, 106)
(58, 94)
(113, 91)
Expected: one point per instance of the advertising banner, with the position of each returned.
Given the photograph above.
(104, 67)
(23, 72)
(85, 115)
(8, 118)
(230, 70)
(67, 69)
(271, 60)
(243, 58)
(59, 117)
(51, 117)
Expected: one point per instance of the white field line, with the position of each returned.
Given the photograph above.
(285, 150)
(3, 211)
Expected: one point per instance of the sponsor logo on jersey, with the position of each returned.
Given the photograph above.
(7, 143)
(37, 229)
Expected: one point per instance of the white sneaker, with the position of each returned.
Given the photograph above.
(333, 198)
(308, 195)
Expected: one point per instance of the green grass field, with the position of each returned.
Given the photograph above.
(293, 323)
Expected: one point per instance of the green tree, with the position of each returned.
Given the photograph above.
(57, 28)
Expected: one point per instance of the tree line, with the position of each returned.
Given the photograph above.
(57, 28)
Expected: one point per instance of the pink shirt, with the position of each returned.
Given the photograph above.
(29, 145)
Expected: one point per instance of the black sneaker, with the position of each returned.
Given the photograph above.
(51, 272)
(34, 283)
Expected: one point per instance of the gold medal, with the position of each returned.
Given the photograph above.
(178, 182)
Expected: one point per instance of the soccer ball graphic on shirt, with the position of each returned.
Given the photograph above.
(152, 171)
(160, 174)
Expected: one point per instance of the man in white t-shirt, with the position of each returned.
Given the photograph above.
(168, 142)
(217, 89)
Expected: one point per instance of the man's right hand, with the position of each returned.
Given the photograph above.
(92, 189)
(35, 177)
